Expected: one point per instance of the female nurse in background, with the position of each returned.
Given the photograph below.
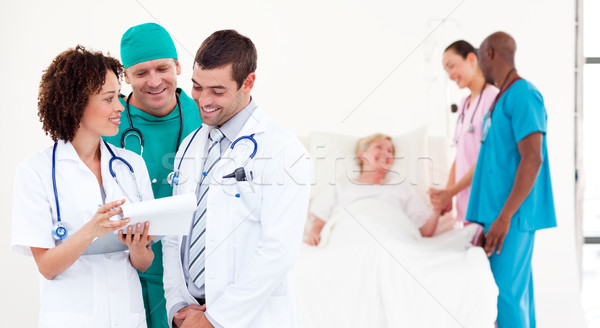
(82, 284)
(460, 62)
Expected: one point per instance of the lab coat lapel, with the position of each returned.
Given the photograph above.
(256, 124)
(199, 144)
(66, 151)
(108, 183)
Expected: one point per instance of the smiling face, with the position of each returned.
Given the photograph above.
(217, 94)
(101, 115)
(378, 157)
(154, 83)
(460, 70)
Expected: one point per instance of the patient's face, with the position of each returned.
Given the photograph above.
(378, 156)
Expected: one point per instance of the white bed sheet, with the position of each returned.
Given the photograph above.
(373, 269)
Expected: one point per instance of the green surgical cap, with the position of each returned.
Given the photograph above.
(146, 42)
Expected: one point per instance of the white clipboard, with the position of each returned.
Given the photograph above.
(109, 243)
(167, 216)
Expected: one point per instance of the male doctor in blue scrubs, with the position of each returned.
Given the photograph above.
(511, 195)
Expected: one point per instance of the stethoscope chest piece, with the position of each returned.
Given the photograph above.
(470, 128)
(59, 232)
(173, 179)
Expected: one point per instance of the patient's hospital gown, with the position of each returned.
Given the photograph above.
(398, 194)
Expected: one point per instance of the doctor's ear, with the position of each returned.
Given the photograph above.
(249, 83)
(177, 66)
(126, 75)
(472, 58)
(490, 53)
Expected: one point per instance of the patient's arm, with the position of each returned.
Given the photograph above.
(428, 228)
(440, 198)
(314, 236)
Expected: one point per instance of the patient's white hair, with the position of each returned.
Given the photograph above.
(363, 143)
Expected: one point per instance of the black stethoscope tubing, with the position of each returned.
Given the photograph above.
(464, 107)
(133, 130)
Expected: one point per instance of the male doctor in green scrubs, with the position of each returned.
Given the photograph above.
(164, 115)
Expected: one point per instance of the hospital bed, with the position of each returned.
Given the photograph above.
(373, 269)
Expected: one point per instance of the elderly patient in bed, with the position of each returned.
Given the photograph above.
(373, 268)
(375, 156)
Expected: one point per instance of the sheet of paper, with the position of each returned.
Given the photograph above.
(167, 216)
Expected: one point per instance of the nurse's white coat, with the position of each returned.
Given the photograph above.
(100, 290)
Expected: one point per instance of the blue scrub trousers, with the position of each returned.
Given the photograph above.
(513, 275)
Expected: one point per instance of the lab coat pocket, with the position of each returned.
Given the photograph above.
(137, 320)
(70, 291)
(281, 290)
(278, 311)
(245, 198)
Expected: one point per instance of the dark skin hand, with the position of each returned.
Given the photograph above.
(530, 149)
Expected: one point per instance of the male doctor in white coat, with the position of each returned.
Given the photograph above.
(237, 269)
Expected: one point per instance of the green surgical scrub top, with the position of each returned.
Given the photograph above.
(160, 138)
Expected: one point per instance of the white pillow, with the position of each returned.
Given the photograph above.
(333, 158)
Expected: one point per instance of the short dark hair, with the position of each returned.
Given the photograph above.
(462, 48)
(66, 86)
(228, 47)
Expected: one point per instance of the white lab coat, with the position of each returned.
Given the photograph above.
(101, 290)
(252, 241)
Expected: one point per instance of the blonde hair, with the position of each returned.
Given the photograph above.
(363, 143)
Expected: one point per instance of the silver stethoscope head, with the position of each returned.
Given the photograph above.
(173, 177)
(470, 128)
(59, 231)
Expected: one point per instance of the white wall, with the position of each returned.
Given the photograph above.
(345, 66)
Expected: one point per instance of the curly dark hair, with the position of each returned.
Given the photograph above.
(66, 87)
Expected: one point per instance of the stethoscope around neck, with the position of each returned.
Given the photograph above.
(59, 231)
(135, 132)
(239, 174)
(461, 118)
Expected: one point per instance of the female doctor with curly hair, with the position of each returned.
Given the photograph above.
(65, 197)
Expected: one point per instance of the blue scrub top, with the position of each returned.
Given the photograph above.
(519, 112)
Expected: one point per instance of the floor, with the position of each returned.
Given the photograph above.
(591, 284)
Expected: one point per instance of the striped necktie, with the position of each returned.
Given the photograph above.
(198, 237)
